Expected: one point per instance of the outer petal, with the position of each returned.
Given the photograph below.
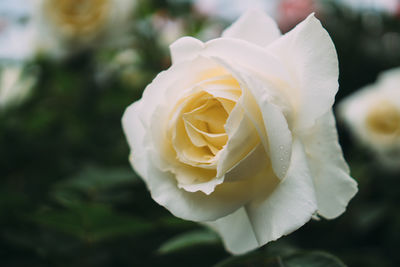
(254, 26)
(236, 232)
(248, 55)
(135, 133)
(288, 206)
(309, 54)
(197, 206)
(170, 84)
(333, 185)
(185, 48)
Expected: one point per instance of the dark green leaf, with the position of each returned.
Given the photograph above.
(297, 259)
(188, 240)
(94, 179)
(92, 222)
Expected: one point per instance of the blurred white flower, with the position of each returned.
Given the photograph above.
(232, 9)
(373, 116)
(65, 26)
(386, 6)
(169, 29)
(16, 31)
(15, 84)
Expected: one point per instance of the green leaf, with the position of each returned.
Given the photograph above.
(297, 259)
(94, 178)
(312, 259)
(91, 181)
(92, 222)
(189, 240)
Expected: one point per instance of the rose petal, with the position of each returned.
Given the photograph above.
(254, 26)
(185, 48)
(334, 187)
(135, 133)
(249, 166)
(242, 138)
(236, 232)
(207, 187)
(256, 58)
(287, 206)
(273, 128)
(169, 85)
(197, 206)
(290, 205)
(310, 55)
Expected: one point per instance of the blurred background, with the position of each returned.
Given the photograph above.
(68, 196)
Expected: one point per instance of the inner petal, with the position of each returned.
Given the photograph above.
(200, 138)
(197, 124)
(210, 118)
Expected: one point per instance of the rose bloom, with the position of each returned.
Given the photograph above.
(373, 116)
(75, 24)
(239, 134)
(385, 6)
(16, 83)
(232, 9)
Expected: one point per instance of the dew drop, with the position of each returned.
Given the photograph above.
(281, 147)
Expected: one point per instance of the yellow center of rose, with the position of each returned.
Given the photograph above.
(77, 17)
(384, 119)
(197, 124)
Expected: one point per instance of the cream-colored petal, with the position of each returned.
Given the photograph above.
(256, 59)
(206, 187)
(197, 206)
(228, 105)
(274, 133)
(236, 232)
(249, 166)
(333, 185)
(289, 206)
(254, 26)
(201, 138)
(309, 54)
(185, 48)
(188, 175)
(242, 138)
(194, 134)
(135, 133)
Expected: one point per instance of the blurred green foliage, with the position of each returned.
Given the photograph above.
(68, 196)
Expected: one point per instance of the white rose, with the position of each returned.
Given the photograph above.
(373, 115)
(387, 6)
(239, 132)
(70, 24)
(232, 9)
(15, 84)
